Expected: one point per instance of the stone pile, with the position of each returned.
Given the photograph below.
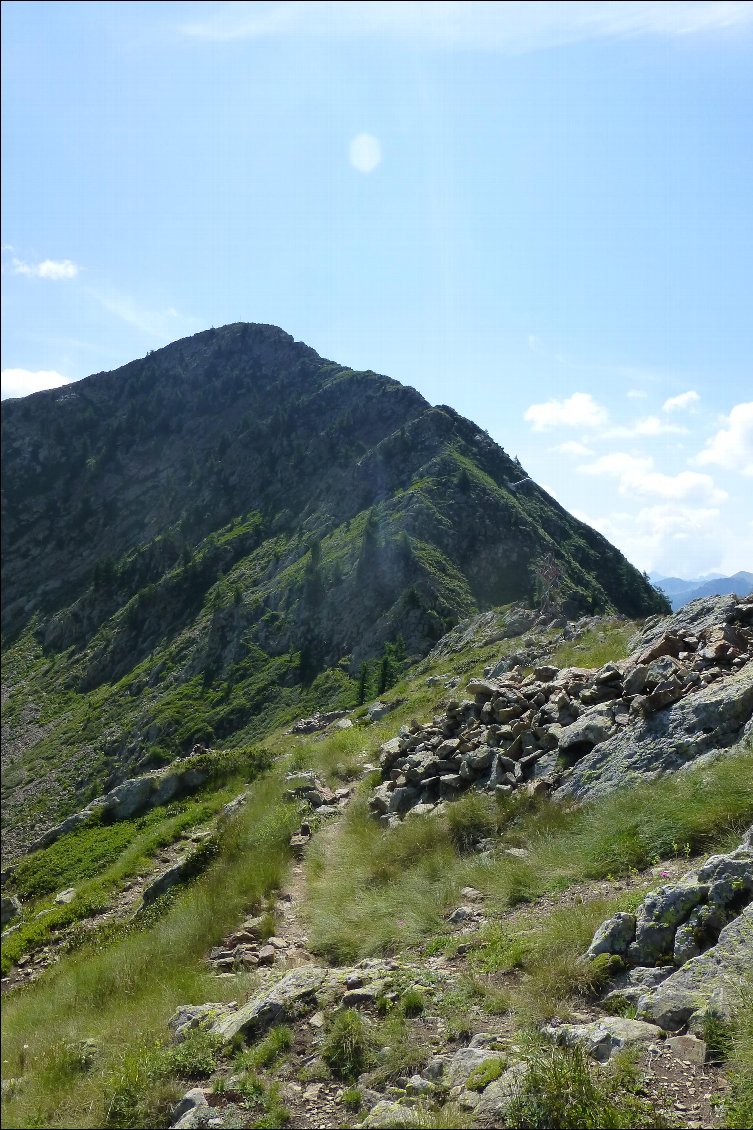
(688, 944)
(317, 721)
(518, 729)
(249, 947)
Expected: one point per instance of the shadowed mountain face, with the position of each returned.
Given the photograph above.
(233, 517)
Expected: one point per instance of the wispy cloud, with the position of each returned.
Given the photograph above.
(732, 446)
(511, 27)
(646, 428)
(637, 478)
(22, 382)
(578, 411)
(160, 325)
(572, 447)
(681, 402)
(54, 269)
(676, 538)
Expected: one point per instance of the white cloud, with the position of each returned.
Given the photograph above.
(160, 325)
(637, 478)
(54, 269)
(512, 27)
(677, 403)
(732, 446)
(572, 447)
(579, 411)
(636, 394)
(648, 426)
(22, 382)
(365, 152)
(677, 540)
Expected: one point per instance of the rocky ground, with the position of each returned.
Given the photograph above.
(686, 690)
(676, 1069)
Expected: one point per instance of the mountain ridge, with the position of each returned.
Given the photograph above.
(232, 528)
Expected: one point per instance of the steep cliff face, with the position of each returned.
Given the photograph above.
(191, 541)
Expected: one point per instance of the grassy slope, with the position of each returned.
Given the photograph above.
(369, 891)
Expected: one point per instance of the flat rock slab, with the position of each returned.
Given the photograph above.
(602, 1038)
(707, 983)
(291, 997)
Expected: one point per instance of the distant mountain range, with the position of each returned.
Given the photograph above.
(681, 591)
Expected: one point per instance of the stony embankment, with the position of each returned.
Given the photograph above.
(686, 690)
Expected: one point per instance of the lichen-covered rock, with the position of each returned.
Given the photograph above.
(602, 1038)
(496, 1099)
(707, 983)
(465, 1061)
(663, 742)
(190, 1016)
(291, 997)
(613, 936)
(658, 917)
(10, 908)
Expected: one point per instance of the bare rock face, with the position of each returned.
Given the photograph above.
(686, 692)
(663, 742)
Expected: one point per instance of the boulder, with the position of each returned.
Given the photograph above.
(291, 997)
(190, 1016)
(602, 1038)
(465, 1061)
(496, 1099)
(613, 936)
(10, 908)
(705, 984)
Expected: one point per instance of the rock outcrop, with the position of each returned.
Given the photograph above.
(687, 945)
(132, 797)
(686, 691)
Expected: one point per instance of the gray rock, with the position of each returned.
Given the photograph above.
(707, 983)
(65, 897)
(592, 727)
(10, 908)
(178, 873)
(602, 1038)
(496, 1098)
(629, 987)
(291, 997)
(709, 719)
(193, 1100)
(613, 936)
(387, 1115)
(465, 1061)
(190, 1016)
(658, 917)
(138, 794)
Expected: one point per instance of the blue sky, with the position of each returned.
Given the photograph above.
(539, 213)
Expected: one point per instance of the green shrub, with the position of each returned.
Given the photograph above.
(472, 818)
(560, 1088)
(740, 1061)
(346, 1048)
(196, 1057)
(269, 1051)
(412, 1002)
